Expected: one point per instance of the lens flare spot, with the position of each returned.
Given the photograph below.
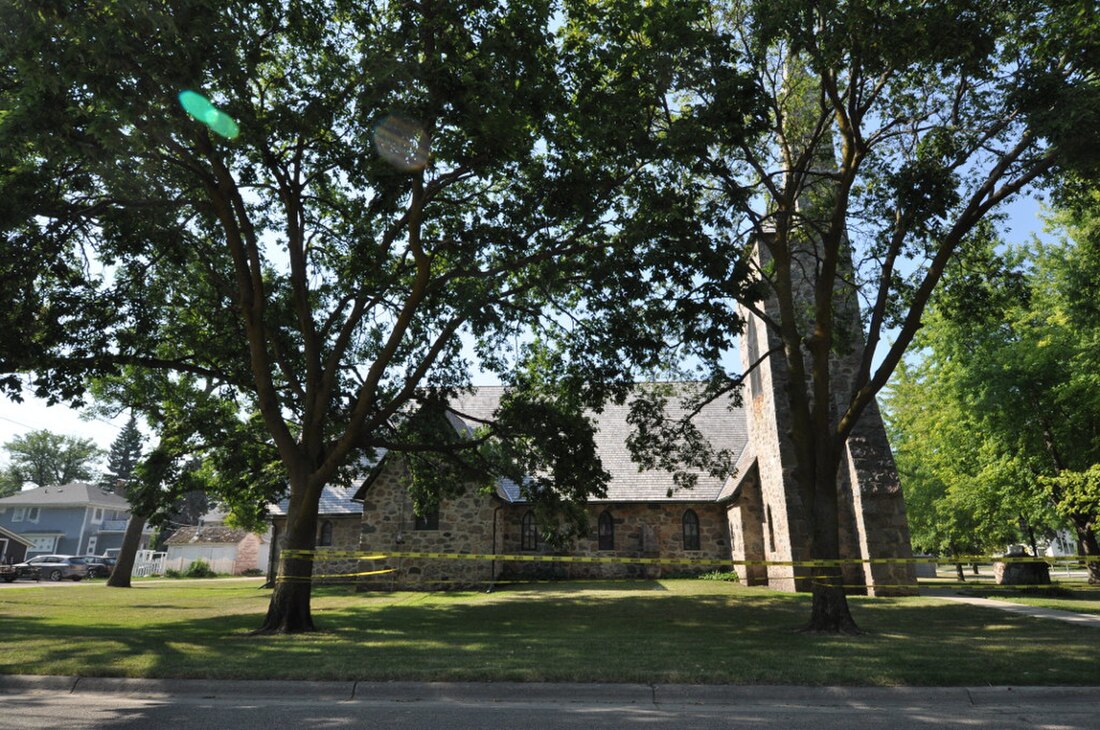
(402, 142)
(203, 111)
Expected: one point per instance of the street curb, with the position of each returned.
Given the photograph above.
(503, 692)
(777, 695)
(551, 693)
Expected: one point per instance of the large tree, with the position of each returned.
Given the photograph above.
(891, 132)
(1009, 360)
(407, 177)
(48, 459)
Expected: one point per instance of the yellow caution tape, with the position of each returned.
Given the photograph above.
(321, 555)
(293, 578)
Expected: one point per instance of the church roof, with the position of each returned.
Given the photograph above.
(335, 500)
(725, 426)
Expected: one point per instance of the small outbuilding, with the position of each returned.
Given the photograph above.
(225, 549)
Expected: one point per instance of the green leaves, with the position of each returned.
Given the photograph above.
(48, 459)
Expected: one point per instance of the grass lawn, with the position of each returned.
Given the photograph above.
(654, 631)
(1079, 597)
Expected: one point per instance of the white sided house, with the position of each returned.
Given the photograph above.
(227, 550)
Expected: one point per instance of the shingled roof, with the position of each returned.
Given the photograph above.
(73, 493)
(335, 500)
(207, 535)
(723, 426)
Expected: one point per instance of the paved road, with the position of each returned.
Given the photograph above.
(51, 702)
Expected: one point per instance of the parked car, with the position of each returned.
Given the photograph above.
(99, 566)
(53, 567)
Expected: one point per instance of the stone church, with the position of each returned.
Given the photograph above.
(754, 515)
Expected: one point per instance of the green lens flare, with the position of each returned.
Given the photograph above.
(202, 110)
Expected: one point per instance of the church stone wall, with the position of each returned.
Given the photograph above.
(642, 530)
(345, 543)
(466, 525)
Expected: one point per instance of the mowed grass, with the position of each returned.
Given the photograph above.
(1079, 597)
(646, 631)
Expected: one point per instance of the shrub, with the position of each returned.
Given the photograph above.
(199, 569)
(172, 573)
(252, 572)
(728, 576)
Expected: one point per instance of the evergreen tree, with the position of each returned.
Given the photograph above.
(123, 457)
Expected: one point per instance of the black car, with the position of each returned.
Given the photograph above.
(53, 567)
(99, 567)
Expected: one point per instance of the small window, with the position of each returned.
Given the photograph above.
(32, 514)
(97, 516)
(325, 538)
(428, 521)
(606, 531)
(19, 515)
(691, 530)
(529, 532)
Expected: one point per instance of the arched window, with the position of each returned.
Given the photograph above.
(691, 530)
(325, 538)
(529, 532)
(605, 529)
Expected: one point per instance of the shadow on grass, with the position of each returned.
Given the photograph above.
(565, 633)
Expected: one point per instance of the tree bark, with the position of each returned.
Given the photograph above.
(131, 541)
(289, 611)
(830, 612)
(1090, 548)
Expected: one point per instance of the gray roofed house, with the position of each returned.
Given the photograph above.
(75, 518)
(642, 514)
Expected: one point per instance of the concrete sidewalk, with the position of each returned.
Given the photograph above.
(1080, 619)
(961, 698)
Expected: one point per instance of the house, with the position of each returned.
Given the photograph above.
(225, 549)
(13, 547)
(339, 528)
(71, 519)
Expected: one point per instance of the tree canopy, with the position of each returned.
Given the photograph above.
(587, 179)
(997, 422)
(888, 135)
(406, 178)
(49, 459)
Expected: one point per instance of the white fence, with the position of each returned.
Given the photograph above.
(148, 563)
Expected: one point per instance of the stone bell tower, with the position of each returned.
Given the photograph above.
(767, 518)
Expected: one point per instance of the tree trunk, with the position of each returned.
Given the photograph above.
(1090, 547)
(830, 612)
(289, 611)
(959, 575)
(131, 541)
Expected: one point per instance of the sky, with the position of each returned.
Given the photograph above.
(33, 414)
